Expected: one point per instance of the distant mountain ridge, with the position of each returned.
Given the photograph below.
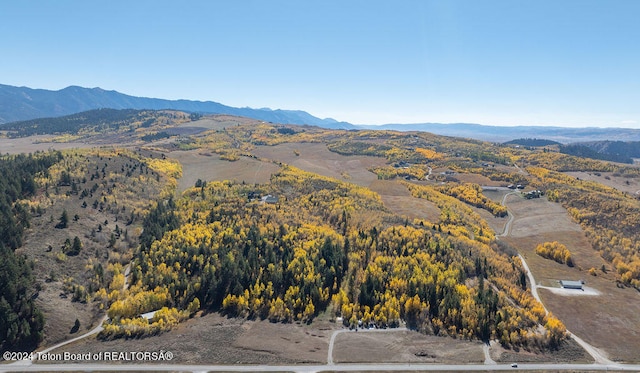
(23, 103)
(563, 135)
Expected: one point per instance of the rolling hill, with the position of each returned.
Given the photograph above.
(506, 133)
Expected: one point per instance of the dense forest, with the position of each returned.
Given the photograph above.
(580, 150)
(614, 151)
(532, 142)
(21, 323)
(630, 149)
(93, 121)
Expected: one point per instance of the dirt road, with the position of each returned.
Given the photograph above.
(594, 352)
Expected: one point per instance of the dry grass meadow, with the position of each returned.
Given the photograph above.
(592, 318)
(404, 346)
(317, 158)
(35, 143)
(197, 164)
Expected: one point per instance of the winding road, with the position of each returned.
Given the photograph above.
(431, 170)
(96, 330)
(597, 356)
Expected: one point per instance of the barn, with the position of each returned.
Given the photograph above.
(568, 284)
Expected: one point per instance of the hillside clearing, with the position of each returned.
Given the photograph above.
(197, 164)
(611, 329)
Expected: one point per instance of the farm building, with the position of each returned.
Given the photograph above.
(270, 199)
(567, 284)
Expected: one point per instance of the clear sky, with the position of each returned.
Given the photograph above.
(543, 62)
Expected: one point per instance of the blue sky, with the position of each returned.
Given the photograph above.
(568, 63)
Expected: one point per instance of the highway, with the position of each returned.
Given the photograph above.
(313, 368)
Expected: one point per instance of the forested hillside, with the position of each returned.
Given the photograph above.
(83, 210)
(580, 150)
(21, 322)
(629, 149)
(532, 142)
(326, 245)
(92, 122)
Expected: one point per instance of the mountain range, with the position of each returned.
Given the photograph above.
(23, 103)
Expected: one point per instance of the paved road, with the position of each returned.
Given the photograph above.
(314, 368)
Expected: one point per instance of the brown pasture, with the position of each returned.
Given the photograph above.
(623, 184)
(609, 321)
(317, 158)
(404, 346)
(35, 143)
(198, 164)
(397, 198)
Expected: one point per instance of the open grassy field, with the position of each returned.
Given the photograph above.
(354, 169)
(623, 184)
(317, 158)
(592, 318)
(215, 339)
(404, 346)
(396, 197)
(35, 143)
(217, 122)
(197, 164)
(569, 352)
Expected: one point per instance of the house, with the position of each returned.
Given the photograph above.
(533, 194)
(269, 199)
(568, 284)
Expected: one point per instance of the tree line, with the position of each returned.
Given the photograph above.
(21, 323)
